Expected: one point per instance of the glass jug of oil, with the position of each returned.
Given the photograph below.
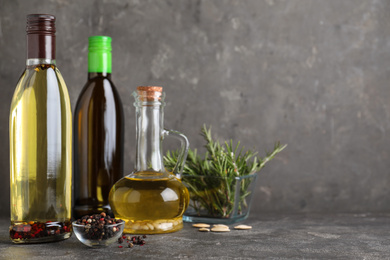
(151, 200)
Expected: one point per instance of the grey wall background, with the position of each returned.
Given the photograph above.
(312, 74)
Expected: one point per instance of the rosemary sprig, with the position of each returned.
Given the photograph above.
(211, 179)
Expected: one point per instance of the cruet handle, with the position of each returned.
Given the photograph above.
(183, 152)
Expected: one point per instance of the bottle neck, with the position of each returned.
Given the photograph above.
(34, 62)
(149, 126)
(92, 75)
(41, 46)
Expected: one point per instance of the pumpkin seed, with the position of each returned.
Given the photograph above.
(242, 227)
(201, 225)
(221, 226)
(220, 229)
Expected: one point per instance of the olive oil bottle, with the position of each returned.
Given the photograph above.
(40, 127)
(98, 128)
(151, 200)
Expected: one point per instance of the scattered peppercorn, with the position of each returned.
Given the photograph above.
(132, 240)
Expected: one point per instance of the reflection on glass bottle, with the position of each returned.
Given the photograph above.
(151, 200)
(98, 128)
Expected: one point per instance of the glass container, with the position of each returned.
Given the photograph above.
(151, 200)
(98, 134)
(219, 200)
(40, 128)
(111, 234)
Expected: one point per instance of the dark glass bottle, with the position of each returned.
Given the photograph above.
(98, 133)
(40, 130)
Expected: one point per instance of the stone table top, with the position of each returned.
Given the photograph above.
(273, 236)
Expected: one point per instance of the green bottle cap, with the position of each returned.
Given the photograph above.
(99, 54)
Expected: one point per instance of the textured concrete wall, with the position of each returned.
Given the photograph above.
(312, 74)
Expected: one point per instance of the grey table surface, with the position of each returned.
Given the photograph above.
(273, 236)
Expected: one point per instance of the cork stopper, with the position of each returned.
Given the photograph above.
(150, 93)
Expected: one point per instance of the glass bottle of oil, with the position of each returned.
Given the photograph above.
(40, 130)
(150, 199)
(98, 134)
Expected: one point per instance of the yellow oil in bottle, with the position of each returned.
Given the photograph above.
(40, 157)
(149, 205)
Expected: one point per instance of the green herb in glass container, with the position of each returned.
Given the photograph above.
(221, 181)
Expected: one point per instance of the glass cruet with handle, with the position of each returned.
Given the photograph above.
(151, 200)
